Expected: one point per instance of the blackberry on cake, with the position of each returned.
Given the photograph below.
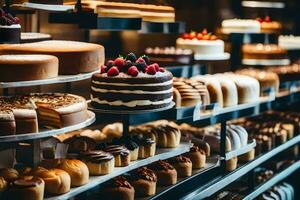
(10, 28)
(131, 84)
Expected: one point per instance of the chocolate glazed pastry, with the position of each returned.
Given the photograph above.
(167, 136)
(144, 182)
(165, 172)
(121, 154)
(118, 188)
(98, 162)
(132, 146)
(147, 147)
(27, 188)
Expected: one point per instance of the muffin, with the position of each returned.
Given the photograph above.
(147, 147)
(144, 182)
(120, 153)
(197, 156)
(165, 172)
(118, 188)
(183, 166)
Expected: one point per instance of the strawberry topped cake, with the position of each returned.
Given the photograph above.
(202, 44)
(10, 28)
(269, 26)
(131, 83)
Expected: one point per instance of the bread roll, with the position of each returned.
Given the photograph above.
(27, 188)
(57, 181)
(9, 174)
(77, 170)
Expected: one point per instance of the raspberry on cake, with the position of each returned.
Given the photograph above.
(131, 83)
(269, 26)
(10, 28)
(202, 43)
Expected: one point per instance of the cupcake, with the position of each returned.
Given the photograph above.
(197, 156)
(120, 153)
(144, 182)
(98, 162)
(166, 173)
(183, 166)
(118, 188)
(132, 146)
(167, 136)
(147, 147)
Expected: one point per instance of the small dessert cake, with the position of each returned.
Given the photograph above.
(144, 182)
(166, 136)
(170, 56)
(154, 13)
(74, 57)
(240, 26)
(131, 145)
(10, 28)
(166, 173)
(269, 26)
(131, 84)
(197, 157)
(27, 37)
(121, 154)
(27, 67)
(289, 42)
(264, 54)
(202, 44)
(267, 80)
(183, 166)
(98, 162)
(118, 188)
(7, 122)
(147, 146)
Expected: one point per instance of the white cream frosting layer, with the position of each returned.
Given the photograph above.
(132, 103)
(241, 25)
(126, 84)
(202, 47)
(132, 91)
(289, 42)
(11, 26)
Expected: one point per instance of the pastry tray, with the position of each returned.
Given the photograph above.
(265, 62)
(160, 27)
(263, 4)
(59, 79)
(161, 154)
(43, 133)
(241, 151)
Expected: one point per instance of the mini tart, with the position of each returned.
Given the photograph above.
(118, 188)
(27, 188)
(98, 162)
(147, 147)
(132, 146)
(120, 153)
(183, 166)
(197, 156)
(144, 182)
(165, 172)
(167, 136)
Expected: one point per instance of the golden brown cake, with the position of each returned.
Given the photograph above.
(263, 51)
(267, 80)
(183, 166)
(74, 57)
(27, 188)
(154, 13)
(197, 156)
(165, 172)
(269, 26)
(27, 67)
(144, 182)
(118, 188)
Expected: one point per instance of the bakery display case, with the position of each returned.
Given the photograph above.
(186, 108)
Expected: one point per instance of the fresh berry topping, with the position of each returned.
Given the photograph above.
(128, 64)
(2, 13)
(260, 20)
(146, 59)
(199, 36)
(192, 35)
(204, 32)
(17, 20)
(267, 19)
(162, 69)
(131, 56)
(141, 64)
(156, 66)
(113, 71)
(185, 36)
(151, 70)
(133, 71)
(103, 69)
(119, 62)
(206, 37)
(9, 16)
(110, 63)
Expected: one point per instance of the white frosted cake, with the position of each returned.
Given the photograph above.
(289, 42)
(202, 44)
(240, 26)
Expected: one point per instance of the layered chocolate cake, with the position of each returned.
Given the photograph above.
(131, 84)
(10, 28)
(27, 67)
(21, 114)
(74, 57)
